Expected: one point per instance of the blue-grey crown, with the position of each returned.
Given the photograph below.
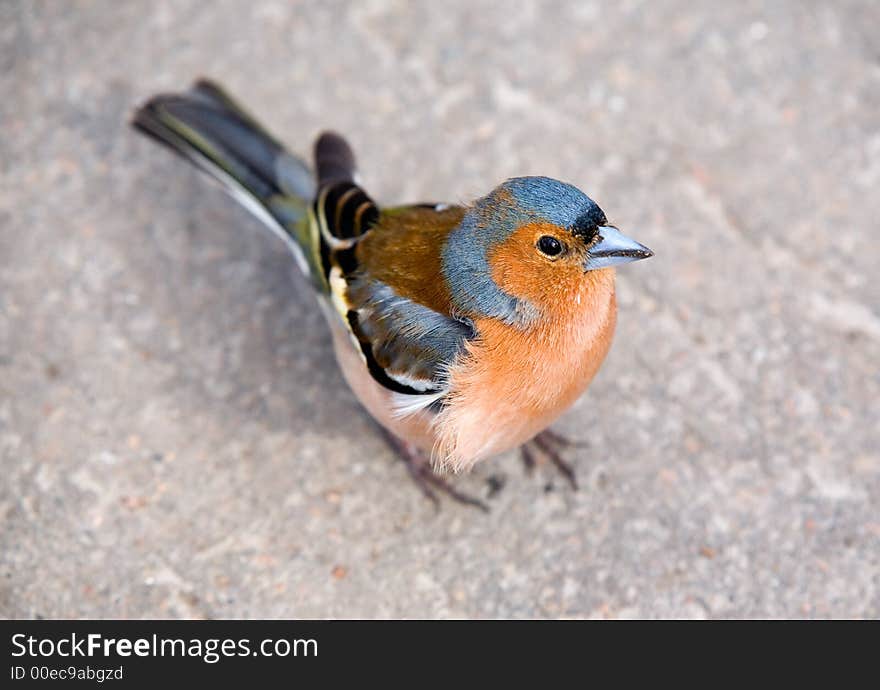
(492, 220)
(542, 198)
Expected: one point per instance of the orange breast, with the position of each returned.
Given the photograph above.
(514, 383)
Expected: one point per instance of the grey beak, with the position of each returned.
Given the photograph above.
(614, 248)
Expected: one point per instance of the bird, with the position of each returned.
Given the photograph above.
(465, 330)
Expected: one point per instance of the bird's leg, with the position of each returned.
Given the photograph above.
(558, 439)
(549, 444)
(528, 457)
(419, 467)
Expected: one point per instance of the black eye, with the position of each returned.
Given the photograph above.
(550, 246)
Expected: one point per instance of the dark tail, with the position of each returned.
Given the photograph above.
(208, 128)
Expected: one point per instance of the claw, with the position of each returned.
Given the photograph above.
(548, 444)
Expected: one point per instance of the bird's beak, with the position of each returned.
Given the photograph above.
(614, 248)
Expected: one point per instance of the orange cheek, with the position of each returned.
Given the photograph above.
(520, 270)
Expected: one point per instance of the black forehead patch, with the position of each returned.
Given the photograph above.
(587, 224)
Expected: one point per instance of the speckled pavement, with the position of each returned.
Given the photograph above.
(175, 440)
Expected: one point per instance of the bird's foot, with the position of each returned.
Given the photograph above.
(419, 467)
(549, 445)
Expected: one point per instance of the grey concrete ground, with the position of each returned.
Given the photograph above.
(176, 441)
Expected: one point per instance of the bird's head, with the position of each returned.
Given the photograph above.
(530, 244)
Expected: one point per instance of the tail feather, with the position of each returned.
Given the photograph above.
(210, 138)
(212, 93)
(207, 127)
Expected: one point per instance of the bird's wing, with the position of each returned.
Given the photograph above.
(383, 269)
(384, 274)
(408, 347)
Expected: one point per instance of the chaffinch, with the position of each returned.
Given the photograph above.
(464, 330)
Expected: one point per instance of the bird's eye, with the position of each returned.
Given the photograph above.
(549, 246)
